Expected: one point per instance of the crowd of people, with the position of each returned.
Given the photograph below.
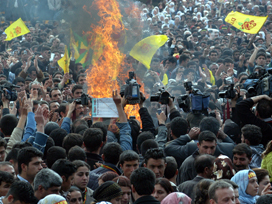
(216, 149)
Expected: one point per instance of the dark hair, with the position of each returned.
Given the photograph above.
(108, 176)
(13, 155)
(264, 108)
(201, 191)
(17, 80)
(263, 54)
(179, 126)
(64, 168)
(3, 143)
(142, 137)
(76, 123)
(171, 167)
(143, 180)
(103, 127)
(50, 126)
(183, 58)
(148, 144)
(128, 155)
(53, 154)
(57, 72)
(58, 135)
(22, 191)
(77, 86)
(112, 152)
(241, 149)
(6, 177)
(80, 75)
(260, 173)
(76, 153)
(92, 139)
(72, 139)
(206, 136)
(79, 163)
(165, 184)
(8, 123)
(53, 89)
(252, 133)
(62, 107)
(203, 161)
(264, 199)
(155, 153)
(209, 123)
(25, 156)
(268, 149)
(122, 181)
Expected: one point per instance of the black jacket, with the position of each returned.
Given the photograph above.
(247, 117)
(147, 199)
(92, 159)
(182, 147)
(188, 187)
(147, 121)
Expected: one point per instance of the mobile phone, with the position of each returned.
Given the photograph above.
(11, 104)
(159, 111)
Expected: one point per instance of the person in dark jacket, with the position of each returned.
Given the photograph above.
(93, 142)
(112, 152)
(142, 185)
(261, 118)
(204, 168)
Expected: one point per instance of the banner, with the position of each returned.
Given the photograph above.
(246, 23)
(16, 29)
(144, 50)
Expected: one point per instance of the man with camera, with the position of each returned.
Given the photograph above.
(261, 117)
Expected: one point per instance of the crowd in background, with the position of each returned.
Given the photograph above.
(53, 151)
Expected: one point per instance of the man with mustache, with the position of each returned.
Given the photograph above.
(242, 156)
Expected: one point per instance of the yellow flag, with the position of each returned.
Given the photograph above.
(165, 79)
(144, 50)
(246, 23)
(73, 44)
(64, 62)
(16, 29)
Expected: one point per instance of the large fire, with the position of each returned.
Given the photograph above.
(108, 68)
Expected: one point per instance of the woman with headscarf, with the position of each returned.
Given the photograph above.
(108, 191)
(176, 198)
(223, 168)
(248, 186)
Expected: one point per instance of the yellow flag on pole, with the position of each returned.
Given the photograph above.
(144, 50)
(64, 62)
(73, 44)
(16, 29)
(246, 23)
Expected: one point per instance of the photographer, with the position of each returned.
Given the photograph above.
(261, 117)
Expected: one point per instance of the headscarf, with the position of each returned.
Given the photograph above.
(107, 191)
(176, 198)
(53, 199)
(223, 168)
(241, 179)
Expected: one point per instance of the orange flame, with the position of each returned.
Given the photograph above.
(108, 70)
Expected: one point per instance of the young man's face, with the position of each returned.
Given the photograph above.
(82, 80)
(22, 87)
(77, 93)
(4, 188)
(261, 61)
(241, 162)
(206, 147)
(33, 75)
(67, 183)
(33, 167)
(128, 167)
(56, 96)
(157, 166)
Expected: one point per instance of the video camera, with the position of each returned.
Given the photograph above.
(162, 97)
(195, 101)
(9, 92)
(131, 90)
(84, 99)
(259, 83)
(229, 93)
